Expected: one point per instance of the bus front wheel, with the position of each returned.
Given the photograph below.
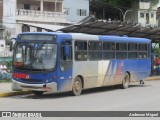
(77, 86)
(37, 93)
(125, 81)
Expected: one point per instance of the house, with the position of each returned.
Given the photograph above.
(42, 15)
(140, 13)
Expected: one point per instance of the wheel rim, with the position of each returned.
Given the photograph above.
(77, 86)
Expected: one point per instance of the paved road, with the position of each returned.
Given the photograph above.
(136, 98)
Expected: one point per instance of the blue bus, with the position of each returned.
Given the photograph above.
(60, 62)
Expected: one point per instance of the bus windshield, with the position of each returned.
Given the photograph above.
(35, 56)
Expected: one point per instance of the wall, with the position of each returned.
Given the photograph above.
(9, 13)
(1, 10)
(73, 5)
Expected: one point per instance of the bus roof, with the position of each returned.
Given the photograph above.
(83, 36)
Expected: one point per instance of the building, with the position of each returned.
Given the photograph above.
(41, 15)
(1, 15)
(76, 10)
(1, 9)
(140, 13)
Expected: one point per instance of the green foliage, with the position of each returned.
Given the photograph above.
(153, 3)
(156, 51)
(122, 3)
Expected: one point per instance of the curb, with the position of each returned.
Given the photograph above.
(7, 94)
(152, 78)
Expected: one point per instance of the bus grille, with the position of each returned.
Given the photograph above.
(31, 81)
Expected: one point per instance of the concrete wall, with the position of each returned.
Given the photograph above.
(1, 10)
(73, 6)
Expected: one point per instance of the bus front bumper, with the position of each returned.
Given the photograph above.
(48, 87)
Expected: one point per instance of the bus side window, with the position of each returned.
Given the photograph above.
(81, 50)
(108, 50)
(143, 51)
(95, 50)
(66, 60)
(121, 51)
(132, 51)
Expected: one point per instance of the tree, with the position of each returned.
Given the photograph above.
(153, 3)
(102, 8)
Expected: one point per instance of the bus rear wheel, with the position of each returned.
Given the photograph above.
(125, 81)
(37, 93)
(77, 86)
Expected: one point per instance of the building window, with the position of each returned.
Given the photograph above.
(25, 28)
(81, 12)
(27, 6)
(152, 15)
(142, 15)
(2, 45)
(66, 11)
(39, 29)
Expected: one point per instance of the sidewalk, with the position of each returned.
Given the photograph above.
(5, 88)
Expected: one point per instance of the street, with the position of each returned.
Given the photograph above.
(135, 98)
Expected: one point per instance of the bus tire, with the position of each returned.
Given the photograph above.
(125, 81)
(37, 93)
(77, 86)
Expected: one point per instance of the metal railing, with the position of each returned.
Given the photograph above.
(23, 12)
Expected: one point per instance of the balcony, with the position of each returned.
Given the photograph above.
(40, 16)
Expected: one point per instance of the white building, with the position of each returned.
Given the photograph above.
(4, 49)
(76, 10)
(33, 15)
(141, 14)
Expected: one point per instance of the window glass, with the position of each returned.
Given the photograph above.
(143, 47)
(108, 55)
(66, 55)
(80, 45)
(108, 46)
(95, 45)
(81, 51)
(121, 46)
(142, 15)
(132, 47)
(121, 55)
(95, 50)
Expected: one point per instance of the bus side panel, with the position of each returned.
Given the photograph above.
(139, 69)
(113, 74)
(116, 69)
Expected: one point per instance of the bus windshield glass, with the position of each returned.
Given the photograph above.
(35, 56)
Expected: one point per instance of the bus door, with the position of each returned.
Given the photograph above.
(65, 74)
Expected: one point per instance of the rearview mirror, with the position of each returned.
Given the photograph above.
(13, 40)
